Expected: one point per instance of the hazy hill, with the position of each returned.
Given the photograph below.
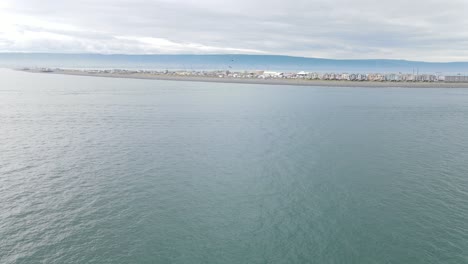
(224, 62)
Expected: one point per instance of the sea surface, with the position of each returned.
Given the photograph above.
(105, 170)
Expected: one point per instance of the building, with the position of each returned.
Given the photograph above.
(314, 76)
(457, 78)
(361, 77)
(272, 74)
(302, 74)
(392, 77)
(375, 77)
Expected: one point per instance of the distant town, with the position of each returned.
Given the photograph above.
(261, 74)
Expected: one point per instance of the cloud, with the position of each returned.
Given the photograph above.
(419, 30)
(160, 45)
(24, 38)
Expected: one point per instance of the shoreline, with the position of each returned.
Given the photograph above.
(292, 82)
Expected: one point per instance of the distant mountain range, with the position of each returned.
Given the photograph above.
(225, 62)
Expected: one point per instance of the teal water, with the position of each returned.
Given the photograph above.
(96, 170)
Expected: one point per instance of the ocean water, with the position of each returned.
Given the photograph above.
(96, 170)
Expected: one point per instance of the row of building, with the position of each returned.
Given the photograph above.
(376, 77)
(373, 77)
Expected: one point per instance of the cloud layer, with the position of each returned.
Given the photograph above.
(432, 30)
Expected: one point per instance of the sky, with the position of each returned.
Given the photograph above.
(423, 30)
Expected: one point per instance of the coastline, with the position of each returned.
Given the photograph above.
(293, 82)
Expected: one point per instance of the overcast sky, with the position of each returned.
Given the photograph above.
(431, 30)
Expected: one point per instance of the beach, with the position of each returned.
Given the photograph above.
(295, 82)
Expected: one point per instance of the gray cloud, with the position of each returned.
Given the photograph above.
(419, 30)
